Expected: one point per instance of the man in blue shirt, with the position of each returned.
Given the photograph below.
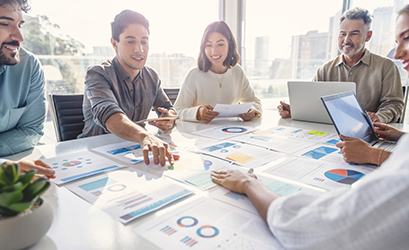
(22, 102)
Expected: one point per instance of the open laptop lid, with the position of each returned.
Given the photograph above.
(348, 117)
(305, 99)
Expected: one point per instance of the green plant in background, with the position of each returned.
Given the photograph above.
(17, 192)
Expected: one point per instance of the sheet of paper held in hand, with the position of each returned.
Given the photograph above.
(226, 110)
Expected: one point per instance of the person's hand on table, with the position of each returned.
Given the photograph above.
(357, 151)
(387, 132)
(284, 110)
(374, 117)
(160, 150)
(167, 124)
(249, 115)
(39, 165)
(233, 180)
(206, 113)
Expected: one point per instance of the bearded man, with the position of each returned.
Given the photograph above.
(377, 79)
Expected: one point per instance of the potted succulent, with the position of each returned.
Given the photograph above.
(24, 217)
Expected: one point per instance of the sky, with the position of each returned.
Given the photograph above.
(177, 25)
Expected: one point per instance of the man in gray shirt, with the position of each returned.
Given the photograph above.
(123, 90)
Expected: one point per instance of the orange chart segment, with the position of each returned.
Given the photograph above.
(240, 158)
(342, 172)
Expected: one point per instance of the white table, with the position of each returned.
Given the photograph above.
(79, 225)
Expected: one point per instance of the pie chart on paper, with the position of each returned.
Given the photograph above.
(343, 176)
(234, 130)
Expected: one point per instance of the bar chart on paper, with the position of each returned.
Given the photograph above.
(209, 224)
(243, 154)
(120, 193)
(80, 165)
(194, 169)
(129, 152)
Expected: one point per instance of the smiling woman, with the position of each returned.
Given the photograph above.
(218, 79)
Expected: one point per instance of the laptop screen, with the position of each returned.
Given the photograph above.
(348, 117)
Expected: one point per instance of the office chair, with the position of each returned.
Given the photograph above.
(67, 115)
(405, 91)
(172, 94)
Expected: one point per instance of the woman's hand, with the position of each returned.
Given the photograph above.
(206, 113)
(249, 115)
(234, 180)
(387, 132)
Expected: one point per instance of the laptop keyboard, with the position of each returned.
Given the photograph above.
(386, 145)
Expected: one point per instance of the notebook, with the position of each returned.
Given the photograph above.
(349, 119)
(305, 99)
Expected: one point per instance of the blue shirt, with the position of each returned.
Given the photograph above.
(22, 104)
(110, 90)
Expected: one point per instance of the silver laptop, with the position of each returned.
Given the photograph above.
(349, 119)
(305, 99)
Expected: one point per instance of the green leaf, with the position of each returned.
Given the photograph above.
(35, 188)
(27, 177)
(21, 206)
(9, 174)
(6, 199)
(16, 187)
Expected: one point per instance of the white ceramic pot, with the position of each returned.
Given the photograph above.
(24, 230)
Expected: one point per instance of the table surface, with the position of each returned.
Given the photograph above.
(79, 225)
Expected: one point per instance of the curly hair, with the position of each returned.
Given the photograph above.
(22, 4)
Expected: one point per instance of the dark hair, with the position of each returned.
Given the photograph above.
(358, 13)
(233, 56)
(125, 18)
(22, 4)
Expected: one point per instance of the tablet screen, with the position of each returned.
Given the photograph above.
(348, 116)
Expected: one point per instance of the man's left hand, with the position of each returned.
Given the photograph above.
(165, 124)
(374, 117)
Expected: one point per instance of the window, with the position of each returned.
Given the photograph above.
(383, 28)
(287, 40)
(69, 36)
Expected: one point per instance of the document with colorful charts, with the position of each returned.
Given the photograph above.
(319, 173)
(323, 152)
(209, 224)
(270, 141)
(125, 195)
(71, 167)
(302, 134)
(245, 155)
(224, 132)
(242, 201)
(129, 152)
(191, 168)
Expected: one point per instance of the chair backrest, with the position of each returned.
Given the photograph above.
(172, 94)
(67, 115)
(405, 91)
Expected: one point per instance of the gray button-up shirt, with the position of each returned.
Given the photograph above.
(110, 90)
